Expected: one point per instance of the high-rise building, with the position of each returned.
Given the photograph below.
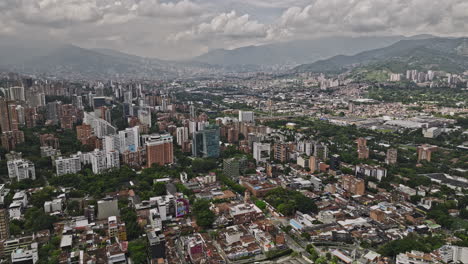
(21, 169)
(4, 116)
(21, 115)
(134, 159)
(192, 111)
(100, 126)
(101, 161)
(364, 170)
(129, 139)
(68, 165)
(103, 112)
(261, 151)
(30, 117)
(4, 224)
(281, 152)
(321, 151)
(206, 142)
(77, 100)
(99, 102)
(425, 152)
(362, 149)
(8, 116)
(392, 155)
(49, 140)
(335, 161)
(53, 111)
(233, 135)
(313, 164)
(83, 132)
(144, 115)
(182, 134)
(10, 139)
(111, 143)
(246, 116)
(16, 93)
(234, 167)
(159, 150)
(353, 185)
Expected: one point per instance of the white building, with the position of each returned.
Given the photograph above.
(416, 257)
(16, 93)
(48, 151)
(68, 165)
(53, 206)
(111, 143)
(21, 169)
(261, 151)
(246, 116)
(395, 77)
(112, 160)
(101, 161)
(431, 132)
(454, 254)
(144, 115)
(166, 206)
(20, 201)
(182, 135)
(129, 139)
(23, 255)
(101, 127)
(20, 112)
(371, 171)
(303, 162)
(192, 127)
(15, 209)
(155, 219)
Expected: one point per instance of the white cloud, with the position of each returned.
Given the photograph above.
(184, 8)
(373, 16)
(57, 13)
(225, 25)
(194, 26)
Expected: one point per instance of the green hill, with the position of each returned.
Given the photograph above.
(445, 54)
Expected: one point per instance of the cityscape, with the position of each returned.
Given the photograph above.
(234, 146)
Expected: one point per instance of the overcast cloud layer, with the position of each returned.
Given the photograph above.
(183, 28)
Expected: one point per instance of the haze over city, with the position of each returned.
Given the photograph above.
(187, 28)
(233, 132)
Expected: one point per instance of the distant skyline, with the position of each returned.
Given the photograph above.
(186, 28)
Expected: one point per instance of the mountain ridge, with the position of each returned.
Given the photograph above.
(298, 51)
(433, 53)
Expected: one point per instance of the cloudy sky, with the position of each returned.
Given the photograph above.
(175, 29)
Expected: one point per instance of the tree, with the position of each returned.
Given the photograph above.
(260, 204)
(129, 216)
(16, 227)
(37, 219)
(305, 235)
(464, 213)
(313, 253)
(203, 165)
(288, 202)
(40, 197)
(159, 189)
(137, 251)
(415, 199)
(204, 216)
(74, 208)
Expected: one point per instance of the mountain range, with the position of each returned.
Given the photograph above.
(69, 61)
(297, 52)
(447, 54)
